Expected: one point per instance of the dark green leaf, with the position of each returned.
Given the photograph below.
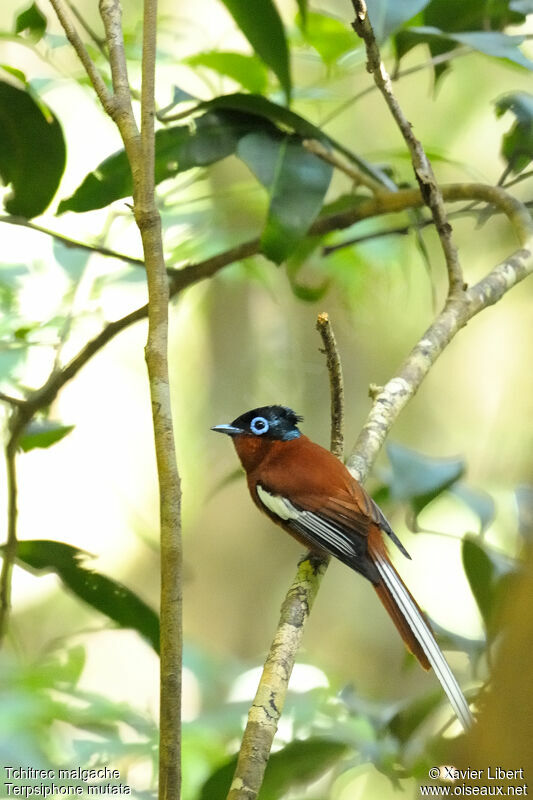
(213, 137)
(387, 16)
(480, 571)
(33, 21)
(405, 722)
(246, 70)
(419, 478)
(329, 37)
(281, 116)
(102, 593)
(261, 24)
(299, 763)
(297, 182)
(517, 143)
(43, 433)
(32, 152)
(480, 502)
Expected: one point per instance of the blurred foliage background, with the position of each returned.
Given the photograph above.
(78, 672)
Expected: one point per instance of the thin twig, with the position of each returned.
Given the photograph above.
(98, 40)
(421, 164)
(267, 706)
(81, 51)
(336, 382)
(442, 58)
(352, 171)
(68, 242)
(12, 401)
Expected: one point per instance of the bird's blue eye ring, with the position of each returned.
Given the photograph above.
(259, 425)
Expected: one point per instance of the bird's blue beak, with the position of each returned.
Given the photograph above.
(230, 430)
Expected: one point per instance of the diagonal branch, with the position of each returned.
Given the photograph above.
(421, 163)
(72, 35)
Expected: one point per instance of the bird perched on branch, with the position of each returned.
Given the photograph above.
(306, 490)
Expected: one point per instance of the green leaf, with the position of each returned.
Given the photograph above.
(302, 254)
(33, 21)
(43, 433)
(213, 137)
(419, 478)
(480, 572)
(102, 593)
(387, 16)
(281, 116)
(405, 722)
(299, 763)
(297, 182)
(517, 143)
(481, 503)
(246, 70)
(32, 152)
(327, 35)
(261, 24)
(491, 43)
(15, 73)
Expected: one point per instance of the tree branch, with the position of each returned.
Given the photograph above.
(68, 242)
(351, 170)
(269, 700)
(72, 35)
(421, 164)
(336, 384)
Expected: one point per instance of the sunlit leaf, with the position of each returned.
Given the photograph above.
(261, 24)
(297, 182)
(330, 37)
(246, 70)
(517, 143)
(32, 21)
(43, 433)
(104, 594)
(387, 16)
(297, 764)
(31, 144)
(419, 478)
(481, 503)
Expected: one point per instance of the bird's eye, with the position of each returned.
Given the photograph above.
(259, 425)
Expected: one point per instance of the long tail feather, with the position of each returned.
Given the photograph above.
(417, 634)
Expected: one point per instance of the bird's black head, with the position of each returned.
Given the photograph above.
(269, 422)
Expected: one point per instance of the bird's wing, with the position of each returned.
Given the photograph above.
(329, 528)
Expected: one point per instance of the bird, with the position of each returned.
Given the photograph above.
(309, 492)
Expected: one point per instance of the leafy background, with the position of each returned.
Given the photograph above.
(78, 678)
